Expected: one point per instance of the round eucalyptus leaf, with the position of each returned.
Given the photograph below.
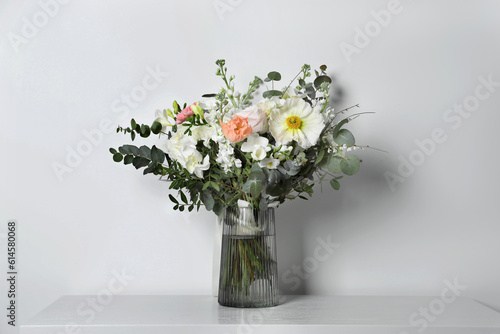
(344, 136)
(350, 165)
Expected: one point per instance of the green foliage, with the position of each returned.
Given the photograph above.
(344, 137)
(275, 76)
(294, 178)
(271, 93)
(350, 165)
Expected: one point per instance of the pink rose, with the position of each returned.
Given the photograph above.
(183, 115)
(257, 119)
(236, 129)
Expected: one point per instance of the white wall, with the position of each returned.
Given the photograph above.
(440, 224)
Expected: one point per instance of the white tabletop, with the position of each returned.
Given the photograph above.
(297, 314)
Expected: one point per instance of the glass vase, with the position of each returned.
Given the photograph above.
(248, 269)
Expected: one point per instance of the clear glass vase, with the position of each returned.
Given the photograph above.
(248, 269)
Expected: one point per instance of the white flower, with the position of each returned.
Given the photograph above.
(259, 153)
(208, 104)
(257, 145)
(268, 105)
(182, 148)
(200, 167)
(257, 119)
(225, 155)
(269, 163)
(162, 118)
(203, 132)
(296, 120)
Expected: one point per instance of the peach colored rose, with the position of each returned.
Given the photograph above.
(183, 115)
(236, 129)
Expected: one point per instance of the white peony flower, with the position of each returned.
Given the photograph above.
(269, 163)
(297, 121)
(182, 148)
(257, 119)
(203, 132)
(257, 145)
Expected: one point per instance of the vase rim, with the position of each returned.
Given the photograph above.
(244, 204)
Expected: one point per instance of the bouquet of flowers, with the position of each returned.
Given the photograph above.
(225, 150)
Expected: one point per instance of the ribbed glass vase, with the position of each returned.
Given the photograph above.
(248, 269)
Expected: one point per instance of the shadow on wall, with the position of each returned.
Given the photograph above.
(300, 223)
(292, 219)
(328, 216)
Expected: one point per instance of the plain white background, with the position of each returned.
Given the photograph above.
(71, 74)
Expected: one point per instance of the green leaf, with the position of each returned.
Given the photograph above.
(208, 200)
(209, 95)
(145, 131)
(133, 124)
(335, 184)
(144, 151)
(156, 127)
(274, 76)
(255, 188)
(139, 162)
(129, 149)
(117, 157)
(344, 136)
(112, 150)
(319, 80)
(257, 174)
(338, 126)
(218, 208)
(128, 159)
(215, 185)
(271, 93)
(183, 197)
(173, 199)
(334, 164)
(132, 135)
(321, 154)
(323, 68)
(311, 92)
(350, 165)
(176, 107)
(157, 155)
(206, 185)
(150, 169)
